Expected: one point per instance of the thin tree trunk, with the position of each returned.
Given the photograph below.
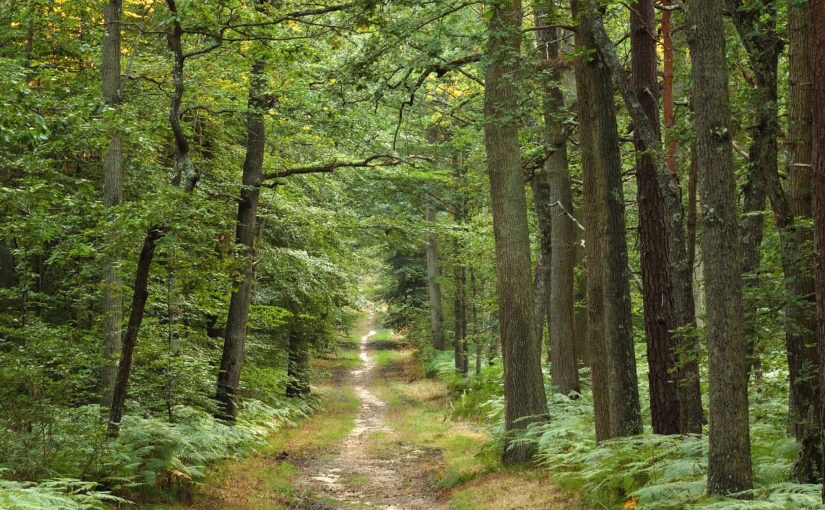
(112, 197)
(229, 374)
(476, 326)
(729, 460)
(525, 400)
(540, 186)
(135, 319)
(657, 288)
(298, 365)
(565, 374)
(434, 286)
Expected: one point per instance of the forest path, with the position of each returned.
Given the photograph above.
(366, 471)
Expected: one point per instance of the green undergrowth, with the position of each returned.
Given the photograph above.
(652, 471)
(150, 456)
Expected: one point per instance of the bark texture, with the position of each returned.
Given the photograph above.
(236, 323)
(592, 227)
(625, 412)
(141, 293)
(434, 286)
(729, 460)
(657, 285)
(525, 400)
(112, 197)
(565, 373)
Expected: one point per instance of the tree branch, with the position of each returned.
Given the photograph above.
(376, 160)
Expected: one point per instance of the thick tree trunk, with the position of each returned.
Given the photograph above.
(803, 355)
(681, 273)
(657, 287)
(135, 319)
(592, 227)
(729, 460)
(565, 374)
(229, 374)
(525, 400)
(625, 412)
(434, 286)
(817, 28)
(112, 196)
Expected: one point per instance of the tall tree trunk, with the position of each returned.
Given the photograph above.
(542, 201)
(135, 319)
(817, 30)
(657, 288)
(565, 374)
(525, 400)
(681, 273)
(729, 460)
(592, 226)
(476, 325)
(229, 374)
(434, 286)
(801, 311)
(112, 197)
(625, 412)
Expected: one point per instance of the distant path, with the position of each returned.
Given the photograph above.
(360, 475)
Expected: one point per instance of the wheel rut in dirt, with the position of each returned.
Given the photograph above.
(364, 473)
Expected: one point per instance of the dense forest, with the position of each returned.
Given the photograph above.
(599, 226)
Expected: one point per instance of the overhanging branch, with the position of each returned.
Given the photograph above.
(376, 160)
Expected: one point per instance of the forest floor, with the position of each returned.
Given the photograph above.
(383, 441)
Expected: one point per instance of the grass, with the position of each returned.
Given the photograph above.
(263, 480)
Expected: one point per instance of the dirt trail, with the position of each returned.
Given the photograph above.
(361, 475)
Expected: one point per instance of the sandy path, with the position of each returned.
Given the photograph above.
(360, 475)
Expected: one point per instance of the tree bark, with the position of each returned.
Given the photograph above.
(817, 28)
(657, 288)
(681, 271)
(729, 460)
(229, 374)
(525, 400)
(434, 286)
(565, 374)
(625, 412)
(135, 319)
(542, 201)
(112, 197)
(298, 365)
(804, 356)
(592, 226)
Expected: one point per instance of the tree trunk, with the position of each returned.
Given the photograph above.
(476, 328)
(801, 311)
(542, 201)
(681, 273)
(565, 374)
(817, 30)
(657, 288)
(592, 227)
(112, 197)
(135, 319)
(729, 460)
(525, 400)
(298, 365)
(434, 286)
(229, 374)
(625, 412)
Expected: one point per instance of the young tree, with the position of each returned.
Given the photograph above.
(729, 461)
(525, 400)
